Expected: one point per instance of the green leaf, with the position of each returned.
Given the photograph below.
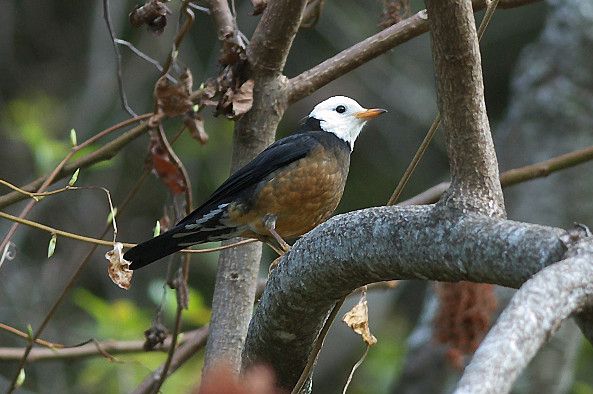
(30, 330)
(20, 379)
(111, 215)
(73, 137)
(51, 248)
(74, 177)
(157, 229)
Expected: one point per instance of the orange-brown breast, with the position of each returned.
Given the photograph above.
(301, 195)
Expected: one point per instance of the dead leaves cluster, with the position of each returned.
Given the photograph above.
(153, 14)
(175, 99)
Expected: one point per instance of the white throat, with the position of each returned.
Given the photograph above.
(346, 132)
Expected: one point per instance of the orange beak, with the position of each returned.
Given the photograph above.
(368, 114)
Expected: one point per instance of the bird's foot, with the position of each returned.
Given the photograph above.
(270, 224)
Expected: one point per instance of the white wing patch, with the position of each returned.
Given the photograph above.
(209, 216)
(217, 216)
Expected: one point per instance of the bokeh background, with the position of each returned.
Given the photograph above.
(58, 72)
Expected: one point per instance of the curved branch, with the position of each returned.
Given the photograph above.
(407, 243)
(533, 315)
(313, 79)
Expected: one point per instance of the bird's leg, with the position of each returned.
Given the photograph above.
(270, 224)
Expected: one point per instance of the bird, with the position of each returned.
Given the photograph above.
(287, 190)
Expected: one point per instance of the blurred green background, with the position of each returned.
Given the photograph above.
(58, 71)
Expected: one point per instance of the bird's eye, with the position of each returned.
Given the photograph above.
(340, 109)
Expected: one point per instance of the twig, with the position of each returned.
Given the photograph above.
(25, 336)
(143, 56)
(164, 373)
(313, 79)
(312, 359)
(180, 283)
(103, 242)
(106, 152)
(45, 183)
(92, 349)
(514, 176)
(358, 364)
(415, 160)
(120, 81)
(189, 20)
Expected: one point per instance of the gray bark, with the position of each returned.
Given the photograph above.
(532, 316)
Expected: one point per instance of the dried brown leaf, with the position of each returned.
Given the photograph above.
(155, 335)
(153, 14)
(243, 99)
(195, 125)
(174, 99)
(165, 166)
(358, 320)
(118, 268)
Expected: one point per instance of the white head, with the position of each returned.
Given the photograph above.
(343, 117)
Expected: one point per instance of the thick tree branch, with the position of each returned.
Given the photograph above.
(533, 315)
(460, 88)
(407, 243)
(313, 79)
(274, 34)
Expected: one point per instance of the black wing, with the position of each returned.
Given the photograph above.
(277, 155)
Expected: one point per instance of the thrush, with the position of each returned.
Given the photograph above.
(288, 189)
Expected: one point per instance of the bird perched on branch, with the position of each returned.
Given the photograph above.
(287, 190)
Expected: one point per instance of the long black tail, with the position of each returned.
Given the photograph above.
(155, 248)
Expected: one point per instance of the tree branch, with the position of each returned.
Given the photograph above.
(88, 350)
(408, 243)
(313, 79)
(514, 176)
(533, 315)
(460, 88)
(224, 20)
(105, 152)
